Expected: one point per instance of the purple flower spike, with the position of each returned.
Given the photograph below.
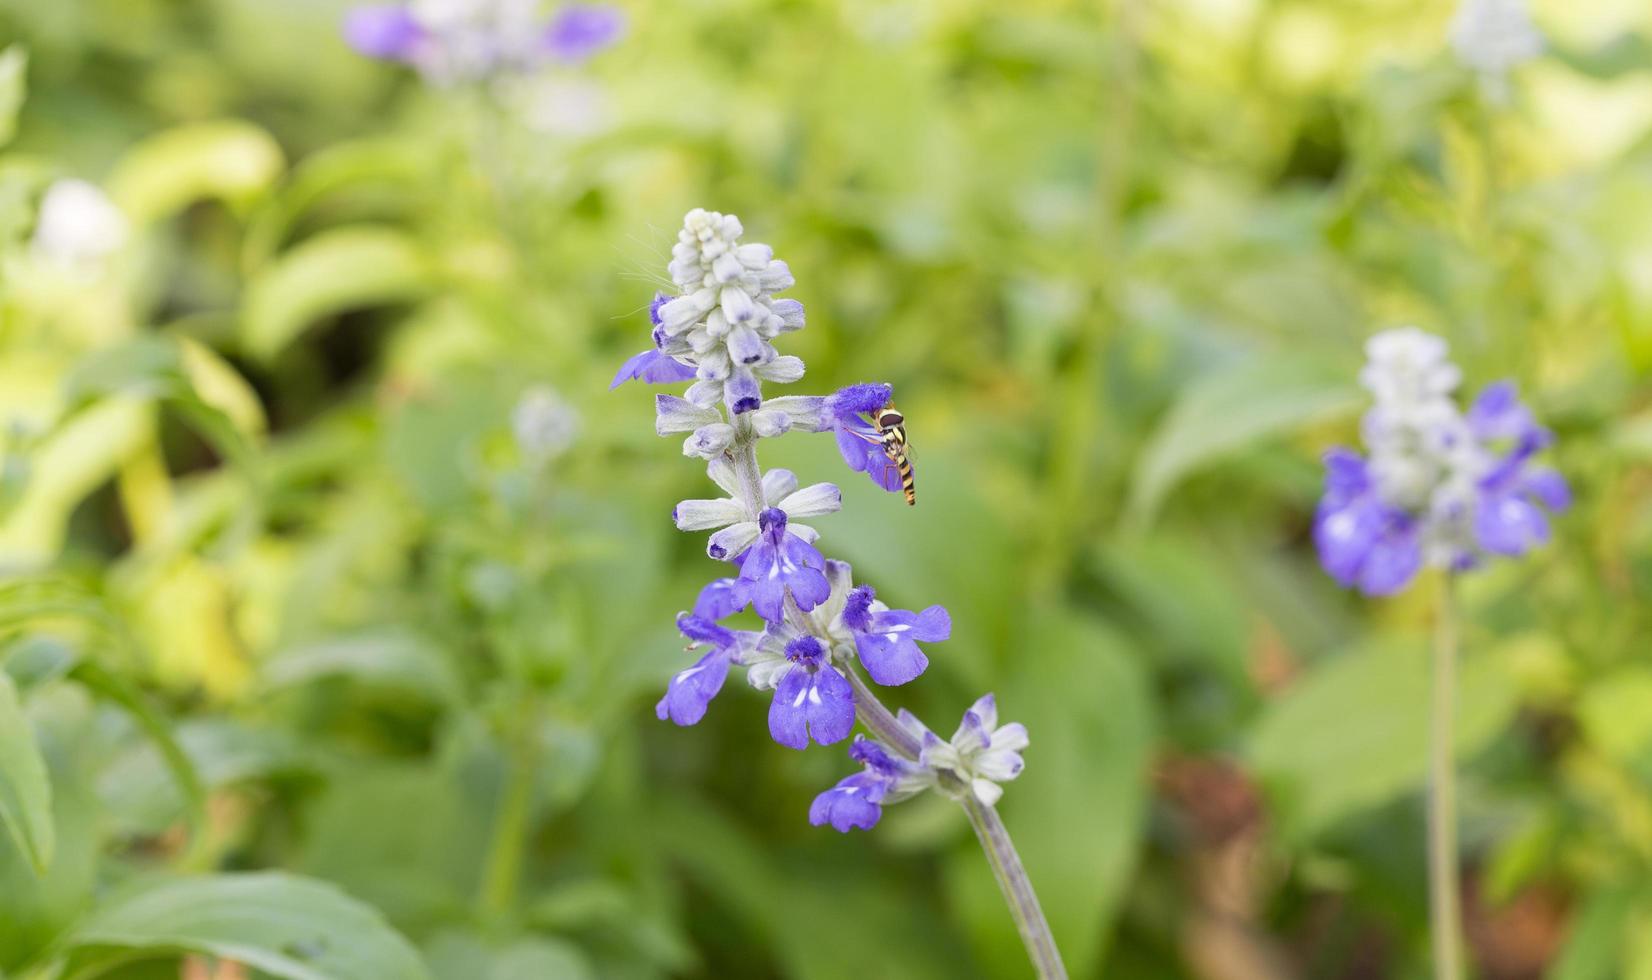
(780, 561)
(1442, 486)
(691, 690)
(886, 639)
(580, 30)
(386, 31)
(812, 700)
(653, 367)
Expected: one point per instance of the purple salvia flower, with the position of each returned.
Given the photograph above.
(886, 640)
(1441, 486)
(858, 440)
(779, 563)
(811, 699)
(384, 31)
(857, 801)
(580, 30)
(691, 690)
(654, 367)
(720, 599)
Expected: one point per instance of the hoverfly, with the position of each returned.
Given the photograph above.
(892, 428)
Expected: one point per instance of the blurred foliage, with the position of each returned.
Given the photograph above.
(308, 665)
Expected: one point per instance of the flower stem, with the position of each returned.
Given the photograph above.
(1445, 913)
(503, 869)
(995, 838)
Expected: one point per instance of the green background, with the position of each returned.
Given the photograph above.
(310, 667)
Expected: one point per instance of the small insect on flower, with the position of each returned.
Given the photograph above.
(892, 427)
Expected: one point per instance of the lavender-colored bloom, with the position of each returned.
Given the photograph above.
(981, 753)
(858, 440)
(779, 563)
(857, 801)
(473, 40)
(720, 599)
(385, 31)
(811, 699)
(1440, 487)
(580, 30)
(691, 690)
(654, 367)
(886, 639)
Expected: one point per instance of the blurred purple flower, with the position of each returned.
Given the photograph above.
(580, 30)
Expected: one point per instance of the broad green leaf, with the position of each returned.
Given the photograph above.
(116, 688)
(228, 160)
(1225, 412)
(25, 792)
(330, 273)
(390, 658)
(38, 660)
(1616, 712)
(14, 68)
(1595, 946)
(462, 956)
(280, 924)
(1353, 733)
(1077, 812)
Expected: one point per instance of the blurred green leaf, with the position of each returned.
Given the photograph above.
(1226, 411)
(1077, 810)
(228, 160)
(462, 956)
(1353, 733)
(330, 273)
(1594, 949)
(25, 792)
(395, 658)
(14, 81)
(1616, 711)
(279, 924)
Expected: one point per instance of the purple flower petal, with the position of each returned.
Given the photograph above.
(654, 368)
(859, 399)
(1394, 560)
(385, 31)
(719, 599)
(581, 30)
(815, 703)
(852, 803)
(1549, 488)
(780, 561)
(1508, 524)
(691, 690)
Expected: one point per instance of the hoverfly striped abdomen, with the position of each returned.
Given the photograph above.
(892, 427)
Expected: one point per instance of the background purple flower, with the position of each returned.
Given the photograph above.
(580, 30)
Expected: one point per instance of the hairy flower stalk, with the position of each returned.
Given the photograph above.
(819, 629)
(1448, 489)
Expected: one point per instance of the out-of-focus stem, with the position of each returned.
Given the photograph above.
(1444, 907)
(989, 828)
(503, 870)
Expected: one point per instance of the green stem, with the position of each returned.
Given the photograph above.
(989, 828)
(1445, 914)
(503, 870)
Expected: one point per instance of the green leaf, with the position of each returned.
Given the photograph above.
(1595, 946)
(25, 792)
(330, 273)
(1354, 733)
(228, 160)
(389, 658)
(279, 924)
(14, 81)
(1616, 712)
(1078, 838)
(1225, 412)
(116, 688)
(462, 956)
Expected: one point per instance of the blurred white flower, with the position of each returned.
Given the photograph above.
(561, 105)
(544, 425)
(78, 226)
(1494, 36)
